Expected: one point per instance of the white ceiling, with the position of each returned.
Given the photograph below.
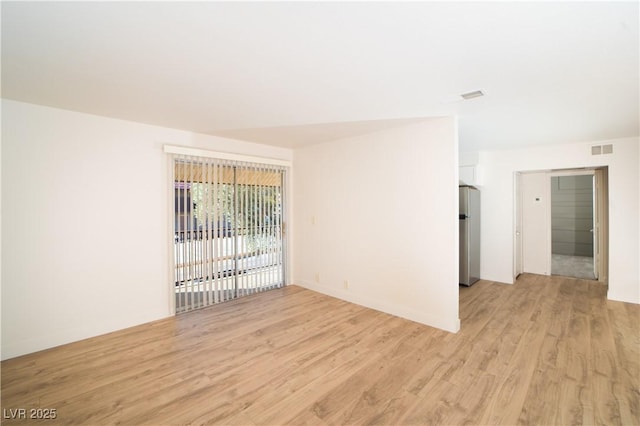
(291, 74)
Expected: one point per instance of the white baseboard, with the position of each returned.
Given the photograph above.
(612, 295)
(63, 337)
(452, 326)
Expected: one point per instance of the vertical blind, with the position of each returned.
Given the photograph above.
(228, 230)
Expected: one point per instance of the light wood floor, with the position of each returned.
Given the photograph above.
(547, 350)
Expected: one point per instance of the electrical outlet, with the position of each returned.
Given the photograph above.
(346, 284)
(317, 277)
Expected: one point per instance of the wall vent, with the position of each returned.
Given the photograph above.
(601, 149)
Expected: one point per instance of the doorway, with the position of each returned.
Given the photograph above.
(572, 226)
(561, 223)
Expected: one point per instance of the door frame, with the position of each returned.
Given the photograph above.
(595, 230)
(601, 209)
(287, 212)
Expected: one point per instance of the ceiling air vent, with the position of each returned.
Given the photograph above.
(471, 95)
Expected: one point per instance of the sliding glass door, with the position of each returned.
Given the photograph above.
(228, 230)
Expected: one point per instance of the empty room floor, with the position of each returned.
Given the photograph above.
(546, 350)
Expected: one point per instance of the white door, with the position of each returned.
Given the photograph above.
(602, 234)
(600, 237)
(596, 228)
(535, 223)
(518, 228)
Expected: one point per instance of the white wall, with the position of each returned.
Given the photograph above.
(535, 224)
(624, 210)
(380, 211)
(85, 214)
(469, 172)
(468, 158)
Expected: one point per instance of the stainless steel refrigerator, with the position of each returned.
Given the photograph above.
(469, 235)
